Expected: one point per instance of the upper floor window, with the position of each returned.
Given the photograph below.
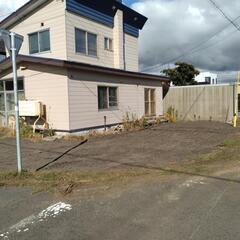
(108, 44)
(39, 42)
(86, 42)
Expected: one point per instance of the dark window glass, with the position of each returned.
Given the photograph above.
(9, 86)
(92, 44)
(105, 43)
(113, 102)
(80, 38)
(108, 43)
(33, 43)
(44, 41)
(102, 98)
(1, 86)
(20, 85)
(10, 101)
(207, 79)
(2, 108)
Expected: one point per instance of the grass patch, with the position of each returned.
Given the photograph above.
(235, 142)
(61, 180)
(225, 156)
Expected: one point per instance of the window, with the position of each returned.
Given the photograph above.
(39, 42)
(150, 102)
(86, 42)
(10, 87)
(107, 98)
(2, 106)
(108, 44)
(1, 86)
(208, 80)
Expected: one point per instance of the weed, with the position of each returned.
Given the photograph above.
(171, 114)
(132, 123)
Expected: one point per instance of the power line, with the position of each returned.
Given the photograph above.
(224, 14)
(195, 49)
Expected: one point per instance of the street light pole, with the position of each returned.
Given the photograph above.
(17, 126)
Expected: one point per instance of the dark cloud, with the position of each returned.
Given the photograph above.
(175, 27)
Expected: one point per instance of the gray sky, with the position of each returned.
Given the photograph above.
(175, 27)
(182, 28)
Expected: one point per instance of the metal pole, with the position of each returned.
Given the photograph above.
(14, 66)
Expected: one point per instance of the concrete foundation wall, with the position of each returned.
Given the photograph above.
(201, 102)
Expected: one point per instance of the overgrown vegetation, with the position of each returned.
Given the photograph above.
(171, 115)
(26, 132)
(131, 122)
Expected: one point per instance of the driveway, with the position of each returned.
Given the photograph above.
(158, 146)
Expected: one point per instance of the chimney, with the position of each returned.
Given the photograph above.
(118, 40)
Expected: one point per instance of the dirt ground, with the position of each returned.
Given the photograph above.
(158, 146)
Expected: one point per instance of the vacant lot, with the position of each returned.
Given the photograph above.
(159, 146)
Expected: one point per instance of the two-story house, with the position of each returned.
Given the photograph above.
(80, 59)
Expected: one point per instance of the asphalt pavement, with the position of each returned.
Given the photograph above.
(176, 208)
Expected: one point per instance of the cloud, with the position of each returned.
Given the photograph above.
(175, 27)
(6, 7)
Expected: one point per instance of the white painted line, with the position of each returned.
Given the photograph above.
(24, 225)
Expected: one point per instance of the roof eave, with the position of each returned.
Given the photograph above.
(6, 64)
(21, 13)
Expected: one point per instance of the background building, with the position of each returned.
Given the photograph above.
(207, 78)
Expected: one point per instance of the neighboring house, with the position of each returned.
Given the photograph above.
(207, 78)
(80, 59)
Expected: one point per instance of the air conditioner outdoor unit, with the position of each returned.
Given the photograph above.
(30, 108)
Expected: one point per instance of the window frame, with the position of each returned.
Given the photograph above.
(38, 38)
(152, 111)
(86, 43)
(6, 92)
(109, 108)
(108, 48)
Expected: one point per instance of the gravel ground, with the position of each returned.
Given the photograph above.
(159, 146)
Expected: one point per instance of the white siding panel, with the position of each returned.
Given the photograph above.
(131, 53)
(104, 58)
(52, 15)
(83, 99)
(50, 86)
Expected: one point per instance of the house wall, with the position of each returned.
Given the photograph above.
(53, 17)
(62, 24)
(50, 86)
(105, 58)
(83, 98)
(131, 53)
(118, 40)
(210, 102)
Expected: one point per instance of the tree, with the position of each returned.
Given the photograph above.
(183, 74)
